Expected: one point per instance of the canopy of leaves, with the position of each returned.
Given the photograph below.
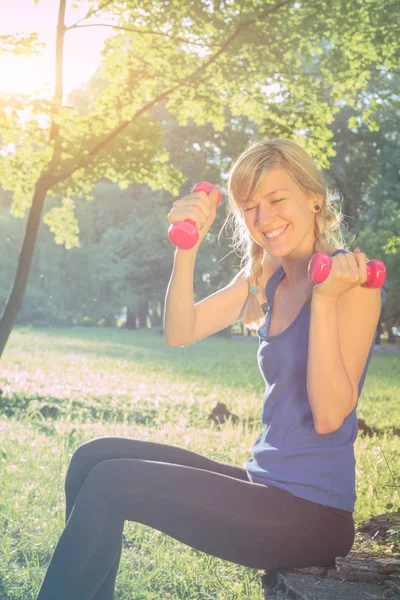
(286, 65)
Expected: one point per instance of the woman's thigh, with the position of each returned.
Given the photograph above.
(93, 452)
(246, 523)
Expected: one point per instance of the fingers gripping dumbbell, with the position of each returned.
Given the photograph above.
(184, 234)
(320, 265)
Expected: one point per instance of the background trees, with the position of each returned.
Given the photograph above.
(180, 90)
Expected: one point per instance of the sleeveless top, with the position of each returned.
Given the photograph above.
(289, 453)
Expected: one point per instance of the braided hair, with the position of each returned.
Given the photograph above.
(258, 158)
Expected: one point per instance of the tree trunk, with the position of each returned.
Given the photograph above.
(156, 321)
(16, 297)
(130, 319)
(155, 318)
(143, 310)
(44, 183)
(161, 306)
(379, 331)
(391, 337)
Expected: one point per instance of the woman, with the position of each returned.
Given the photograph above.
(292, 502)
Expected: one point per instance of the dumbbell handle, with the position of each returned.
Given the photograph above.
(320, 265)
(184, 234)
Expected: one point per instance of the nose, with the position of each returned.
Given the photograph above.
(265, 215)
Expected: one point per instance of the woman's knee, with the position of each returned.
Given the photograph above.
(90, 453)
(99, 479)
(85, 457)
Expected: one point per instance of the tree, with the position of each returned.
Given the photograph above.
(365, 171)
(91, 284)
(201, 58)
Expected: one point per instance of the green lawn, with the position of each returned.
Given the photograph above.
(61, 388)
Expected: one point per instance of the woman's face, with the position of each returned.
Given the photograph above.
(279, 204)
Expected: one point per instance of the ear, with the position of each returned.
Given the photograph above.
(316, 199)
(320, 199)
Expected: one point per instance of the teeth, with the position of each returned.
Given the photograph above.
(279, 231)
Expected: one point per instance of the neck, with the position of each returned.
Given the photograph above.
(296, 270)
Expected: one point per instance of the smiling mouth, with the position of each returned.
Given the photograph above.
(273, 237)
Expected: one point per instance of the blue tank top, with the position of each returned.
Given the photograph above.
(289, 453)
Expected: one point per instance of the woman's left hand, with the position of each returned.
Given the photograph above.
(347, 271)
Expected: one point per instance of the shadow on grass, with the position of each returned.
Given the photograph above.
(93, 409)
(43, 412)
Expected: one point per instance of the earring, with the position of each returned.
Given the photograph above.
(316, 207)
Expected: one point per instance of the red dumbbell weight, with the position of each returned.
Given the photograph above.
(184, 234)
(320, 265)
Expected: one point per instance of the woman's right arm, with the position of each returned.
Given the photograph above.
(185, 322)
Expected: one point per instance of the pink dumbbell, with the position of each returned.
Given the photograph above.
(184, 234)
(320, 265)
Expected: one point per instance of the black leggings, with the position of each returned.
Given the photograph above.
(206, 504)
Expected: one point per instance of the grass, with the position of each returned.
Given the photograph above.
(61, 388)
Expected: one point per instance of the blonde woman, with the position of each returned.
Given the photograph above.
(291, 503)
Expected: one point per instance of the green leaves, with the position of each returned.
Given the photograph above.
(22, 45)
(287, 68)
(63, 224)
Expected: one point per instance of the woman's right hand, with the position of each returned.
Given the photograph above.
(199, 207)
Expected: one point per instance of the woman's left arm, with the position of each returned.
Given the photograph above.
(344, 318)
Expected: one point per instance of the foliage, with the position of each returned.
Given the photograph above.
(165, 109)
(18, 44)
(201, 61)
(124, 257)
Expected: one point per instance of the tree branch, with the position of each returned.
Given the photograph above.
(58, 91)
(384, 70)
(181, 83)
(173, 39)
(91, 13)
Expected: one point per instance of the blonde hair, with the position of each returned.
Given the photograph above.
(258, 158)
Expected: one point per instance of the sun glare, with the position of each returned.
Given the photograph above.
(19, 74)
(35, 74)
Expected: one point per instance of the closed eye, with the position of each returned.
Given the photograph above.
(273, 202)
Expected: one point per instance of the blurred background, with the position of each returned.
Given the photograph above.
(110, 111)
